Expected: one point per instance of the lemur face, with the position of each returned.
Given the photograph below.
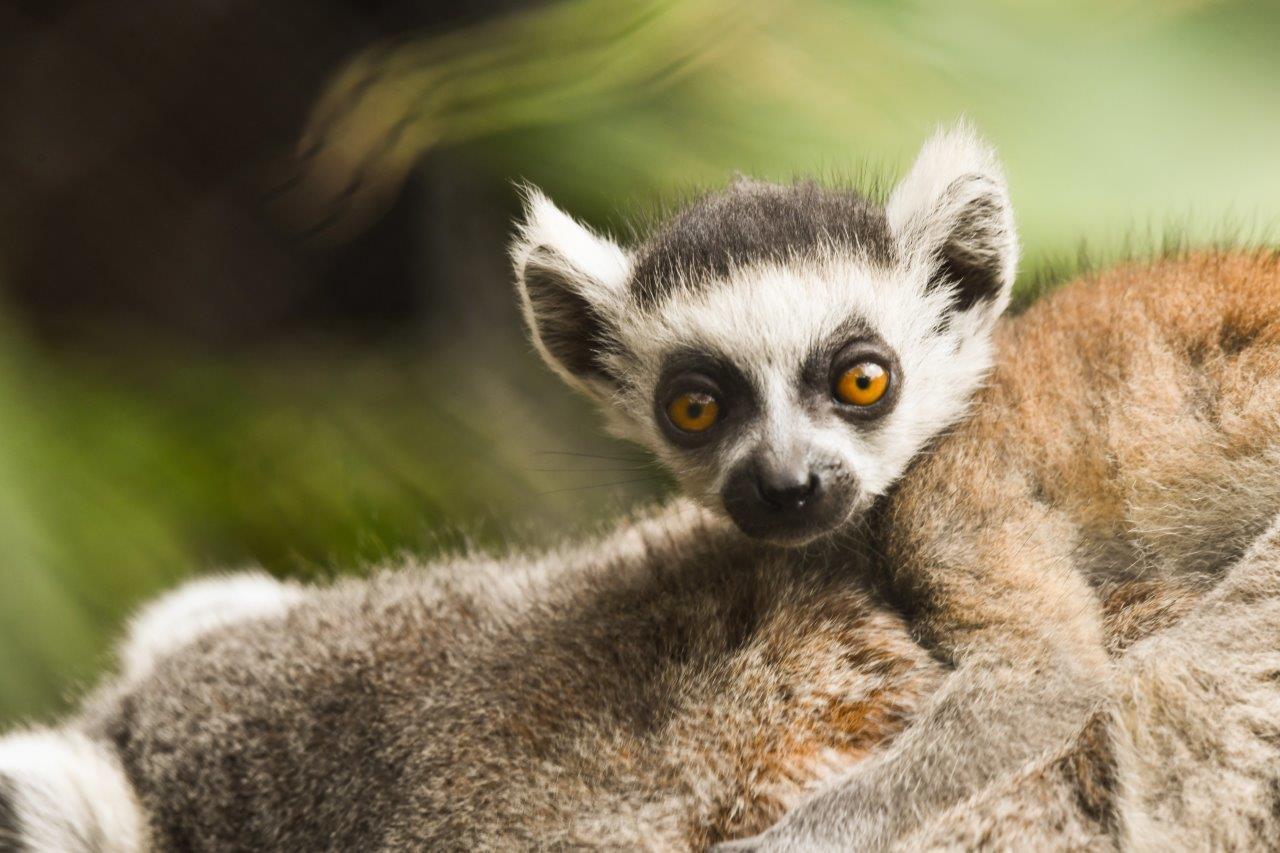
(785, 351)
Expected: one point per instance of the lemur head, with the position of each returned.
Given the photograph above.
(784, 350)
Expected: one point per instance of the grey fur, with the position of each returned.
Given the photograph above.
(1185, 756)
(608, 697)
(751, 222)
(602, 697)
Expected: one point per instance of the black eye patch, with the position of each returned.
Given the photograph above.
(854, 342)
(710, 374)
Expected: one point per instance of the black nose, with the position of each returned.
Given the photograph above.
(786, 489)
(786, 499)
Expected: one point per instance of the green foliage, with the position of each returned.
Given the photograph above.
(1110, 115)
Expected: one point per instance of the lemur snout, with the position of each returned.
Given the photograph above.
(784, 499)
(785, 489)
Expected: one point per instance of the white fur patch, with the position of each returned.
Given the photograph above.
(70, 795)
(197, 608)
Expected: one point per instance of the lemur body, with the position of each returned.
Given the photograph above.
(1131, 428)
(663, 687)
(788, 352)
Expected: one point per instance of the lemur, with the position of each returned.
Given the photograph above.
(798, 357)
(816, 369)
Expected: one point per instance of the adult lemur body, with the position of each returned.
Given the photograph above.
(795, 356)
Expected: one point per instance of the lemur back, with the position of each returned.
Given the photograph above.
(667, 686)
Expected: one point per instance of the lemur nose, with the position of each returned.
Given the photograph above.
(786, 488)
(781, 497)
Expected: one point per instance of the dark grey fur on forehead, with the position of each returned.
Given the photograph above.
(751, 222)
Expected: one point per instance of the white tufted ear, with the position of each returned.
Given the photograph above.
(952, 212)
(572, 284)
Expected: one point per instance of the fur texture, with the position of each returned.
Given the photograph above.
(667, 686)
(63, 792)
(755, 223)
(676, 683)
(198, 608)
(1185, 756)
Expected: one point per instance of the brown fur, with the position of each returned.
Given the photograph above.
(1118, 412)
(1130, 430)
(1186, 755)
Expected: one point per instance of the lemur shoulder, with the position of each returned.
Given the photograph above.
(816, 369)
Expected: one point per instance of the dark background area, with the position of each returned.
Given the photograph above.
(138, 145)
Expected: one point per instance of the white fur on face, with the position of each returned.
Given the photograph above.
(952, 208)
(767, 320)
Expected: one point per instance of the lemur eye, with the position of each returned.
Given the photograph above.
(863, 384)
(693, 411)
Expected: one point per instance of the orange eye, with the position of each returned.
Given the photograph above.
(863, 384)
(694, 411)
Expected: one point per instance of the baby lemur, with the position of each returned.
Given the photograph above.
(816, 370)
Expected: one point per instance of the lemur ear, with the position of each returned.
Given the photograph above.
(952, 212)
(572, 286)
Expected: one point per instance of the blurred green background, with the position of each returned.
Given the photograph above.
(255, 306)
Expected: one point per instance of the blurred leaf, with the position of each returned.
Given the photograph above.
(1100, 108)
